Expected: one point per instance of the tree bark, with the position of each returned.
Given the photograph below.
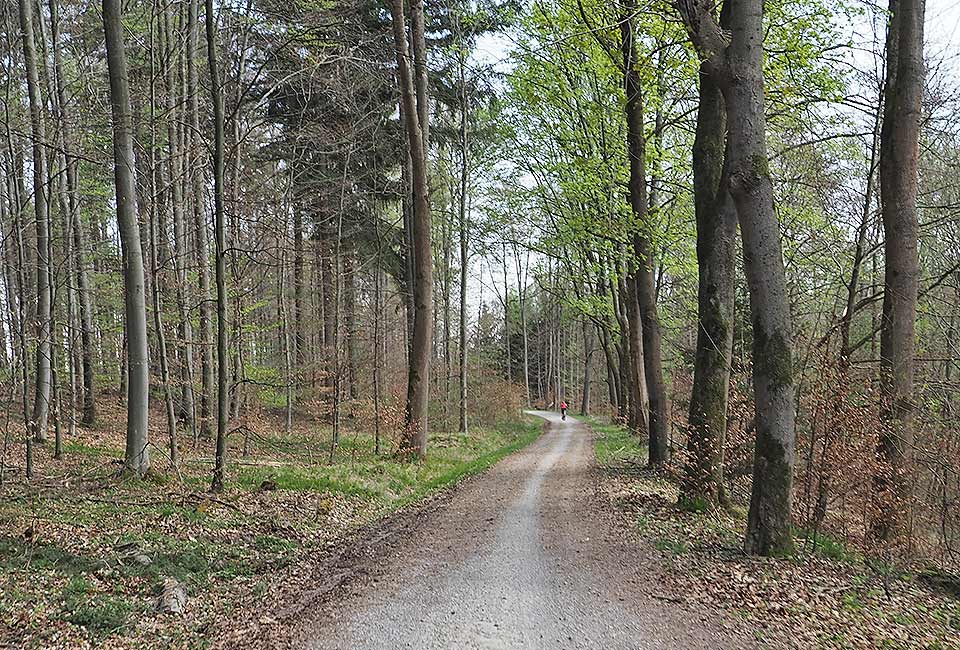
(899, 149)
(464, 251)
(175, 182)
(137, 456)
(200, 226)
(414, 439)
(658, 415)
(716, 247)
(739, 66)
(42, 381)
(223, 392)
(76, 230)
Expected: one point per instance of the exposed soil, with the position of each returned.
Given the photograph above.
(526, 555)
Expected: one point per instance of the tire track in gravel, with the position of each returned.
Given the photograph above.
(523, 556)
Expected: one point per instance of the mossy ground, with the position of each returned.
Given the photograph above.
(84, 551)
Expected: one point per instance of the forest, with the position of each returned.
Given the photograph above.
(275, 271)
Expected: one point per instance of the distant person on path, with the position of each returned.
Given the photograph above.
(563, 410)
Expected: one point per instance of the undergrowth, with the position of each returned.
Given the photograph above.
(83, 560)
(825, 597)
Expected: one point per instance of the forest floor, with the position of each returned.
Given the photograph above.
(85, 554)
(828, 598)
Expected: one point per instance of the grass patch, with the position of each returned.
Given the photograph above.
(99, 614)
(95, 557)
(17, 554)
(614, 444)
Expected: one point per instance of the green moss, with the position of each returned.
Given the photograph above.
(760, 166)
(773, 358)
(772, 534)
(698, 504)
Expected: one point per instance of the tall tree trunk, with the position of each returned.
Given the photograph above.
(899, 148)
(738, 62)
(155, 257)
(588, 349)
(223, 392)
(200, 224)
(642, 277)
(174, 181)
(80, 266)
(299, 338)
(464, 252)
(716, 247)
(137, 456)
(350, 315)
(418, 381)
(42, 381)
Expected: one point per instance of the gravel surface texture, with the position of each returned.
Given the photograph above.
(523, 556)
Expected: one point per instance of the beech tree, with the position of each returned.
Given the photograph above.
(716, 218)
(899, 151)
(43, 382)
(137, 455)
(737, 62)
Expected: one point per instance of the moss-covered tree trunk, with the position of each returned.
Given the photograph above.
(716, 247)
(736, 57)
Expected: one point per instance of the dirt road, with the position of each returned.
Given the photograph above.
(524, 556)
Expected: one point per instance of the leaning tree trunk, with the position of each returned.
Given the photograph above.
(658, 415)
(738, 64)
(137, 457)
(43, 381)
(899, 147)
(716, 247)
(418, 381)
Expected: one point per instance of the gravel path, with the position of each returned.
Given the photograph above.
(524, 556)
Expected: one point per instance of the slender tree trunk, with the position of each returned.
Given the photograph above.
(137, 456)
(899, 149)
(174, 173)
(588, 350)
(200, 225)
(716, 249)
(350, 314)
(76, 229)
(42, 385)
(659, 407)
(155, 257)
(299, 339)
(853, 286)
(223, 392)
(464, 252)
(418, 384)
